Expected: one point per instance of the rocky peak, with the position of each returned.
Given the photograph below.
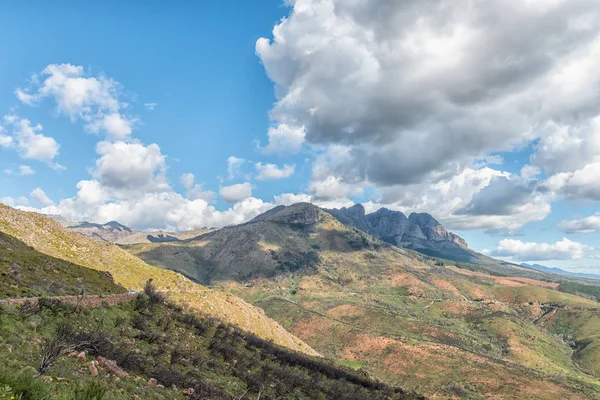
(301, 215)
(395, 227)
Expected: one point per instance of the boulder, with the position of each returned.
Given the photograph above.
(152, 382)
(111, 367)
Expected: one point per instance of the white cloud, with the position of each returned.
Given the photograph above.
(236, 193)
(130, 166)
(287, 199)
(40, 196)
(187, 180)
(12, 202)
(234, 166)
(93, 99)
(5, 141)
(25, 170)
(584, 225)
(284, 138)
(530, 251)
(580, 184)
(272, 171)
(150, 106)
(30, 143)
(415, 94)
(8, 171)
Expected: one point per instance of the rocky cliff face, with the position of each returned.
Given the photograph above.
(420, 232)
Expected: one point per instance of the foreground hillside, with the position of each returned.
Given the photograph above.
(148, 349)
(51, 239)
(445, 329)
(25, 272)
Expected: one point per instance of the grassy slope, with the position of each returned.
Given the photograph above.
(25, 272)
(155, 340)
(48, 237)
(436, 329)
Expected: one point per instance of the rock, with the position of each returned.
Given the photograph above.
(93, 369)
(47, 379)
(152, 382)
(188, 392)
(159, 386)
(72, 354)
(111, 367)
(80, 356)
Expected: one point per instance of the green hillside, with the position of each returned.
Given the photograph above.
(187, 355)
(25, 272)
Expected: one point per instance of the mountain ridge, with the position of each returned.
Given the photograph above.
(419, 231)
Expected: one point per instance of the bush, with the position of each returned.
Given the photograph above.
(154, 295)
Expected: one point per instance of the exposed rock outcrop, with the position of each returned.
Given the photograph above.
(419, 231)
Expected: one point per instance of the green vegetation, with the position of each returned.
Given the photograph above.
(150, 339)
(591, 292)
(25, 272)
(49, 238)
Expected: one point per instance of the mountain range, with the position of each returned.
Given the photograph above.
(116, 232)
(411, 319)
(560, 271)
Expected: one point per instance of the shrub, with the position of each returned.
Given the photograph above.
(154, 295)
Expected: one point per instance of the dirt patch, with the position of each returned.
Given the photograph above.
(446, 286)
(347, 310)
(312, 327)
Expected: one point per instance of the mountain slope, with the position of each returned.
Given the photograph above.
(25, 272)
(189, 356)
(284, 239)
(442, 328)
(50, 238)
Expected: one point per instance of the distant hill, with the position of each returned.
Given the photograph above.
(115, 232)
(560, 271)
(51, 239)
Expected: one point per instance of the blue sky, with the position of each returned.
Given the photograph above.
(191, 114)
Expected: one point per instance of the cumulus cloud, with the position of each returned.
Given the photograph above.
(187, 180)
(29, 142)
(12, 202)
(580, 184)
(530, 251)
(196, 191)
(584, 225)
(284, 138)
(130, 166)
(236, 193)
(411, 95)
(234, 166)
(25, 170)
(272, 171)
(40, 196)
(92, 99)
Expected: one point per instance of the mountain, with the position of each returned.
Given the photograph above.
(420, 232)
(114, 232)
(560, 271)
(48, 237)
(445, 329)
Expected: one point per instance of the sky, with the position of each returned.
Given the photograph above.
(182, 115)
